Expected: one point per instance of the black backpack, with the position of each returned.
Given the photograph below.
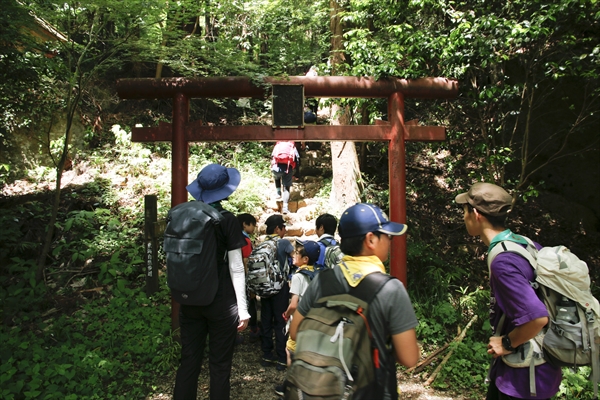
(336, 357)
(190, 244)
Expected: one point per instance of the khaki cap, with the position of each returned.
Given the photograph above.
(487, 198)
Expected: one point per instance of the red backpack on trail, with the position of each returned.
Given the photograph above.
(284, 153)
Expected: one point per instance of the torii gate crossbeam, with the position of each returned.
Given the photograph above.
(395, 131)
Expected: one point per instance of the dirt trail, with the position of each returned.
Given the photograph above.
(251, 381)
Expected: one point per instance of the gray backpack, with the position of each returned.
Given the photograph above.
(336, 357)
(333, 256)
(265, 275)
(572, 336)
(190, 245)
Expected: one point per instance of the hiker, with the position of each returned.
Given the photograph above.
(485, 208)
(366, 237)
(304, 258)
(273, 307)
(283, 161)
(227, 314)
(326, 225)
(248, 225)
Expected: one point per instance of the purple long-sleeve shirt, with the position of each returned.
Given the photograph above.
(512, 294)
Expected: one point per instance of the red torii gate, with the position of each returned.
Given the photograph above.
(395, 130)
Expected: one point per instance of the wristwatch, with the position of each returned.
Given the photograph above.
(506, 344)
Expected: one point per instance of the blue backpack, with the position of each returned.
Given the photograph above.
(330, 254)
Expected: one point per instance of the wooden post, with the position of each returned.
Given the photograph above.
(150, 220)
(180, 150)
(179, 171)
(397, 169)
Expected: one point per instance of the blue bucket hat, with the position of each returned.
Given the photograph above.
(215, 182)
(363, 218)
(313, 250)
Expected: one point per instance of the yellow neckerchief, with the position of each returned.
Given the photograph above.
(306, 267)
(356, 268)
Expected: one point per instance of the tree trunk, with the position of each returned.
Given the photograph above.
(344, 159)
(346, 173)
(60, 167)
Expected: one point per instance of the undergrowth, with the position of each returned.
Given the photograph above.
(90, 331)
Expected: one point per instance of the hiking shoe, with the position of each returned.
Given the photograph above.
(239, 339)
(254, 334)
(279, 389)
(268, 360)
(281, 366)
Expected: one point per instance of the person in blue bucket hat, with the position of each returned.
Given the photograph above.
(228, 313)
(214, 183)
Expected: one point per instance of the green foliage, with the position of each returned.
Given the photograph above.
(576, 384)
(249, 197)
(117, 341)
(229, 38)
(374, 194)
(466, 369)
(108, 348)
(435, 319)
(15, 238)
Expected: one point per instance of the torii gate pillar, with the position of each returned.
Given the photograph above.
(180, 149)
(397, 181)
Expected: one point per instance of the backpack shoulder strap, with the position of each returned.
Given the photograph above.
(529, 253)
(327, 241)
(366, 290)
(371, 284)
(309, 274)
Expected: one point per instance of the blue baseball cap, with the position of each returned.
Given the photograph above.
(214, 182)
(363, 218)
(313, 250)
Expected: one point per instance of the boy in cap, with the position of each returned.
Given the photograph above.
(366, 236)
(273, 307)
(485, 208)
(228, 313)
(304, 258)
